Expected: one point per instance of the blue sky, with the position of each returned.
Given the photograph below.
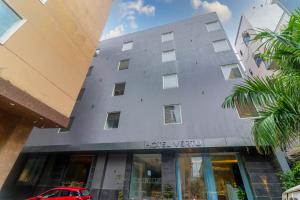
(128, 16)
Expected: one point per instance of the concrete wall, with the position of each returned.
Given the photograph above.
(202, 89)
(49, 55)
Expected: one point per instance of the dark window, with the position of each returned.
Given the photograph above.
(90, 71)
(32, 171)
(69, 126)
(119, 89)
(80, 95)
(64, 193)
(112, 120)
(258, 59)
(74, 194)
(241, 53)
(251, 72)
(124, 64)
(246, 37)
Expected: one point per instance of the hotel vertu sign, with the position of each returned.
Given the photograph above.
(171, 144)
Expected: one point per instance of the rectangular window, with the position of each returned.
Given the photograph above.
(231, 71)
(145, 182)
(167, 37)
(119, 89)
(213, 26)
(10, 21)
(80, 95)
(169, 55)
(61, 130)
(43, 1)
(90, 71)
(258, 59)
(172, 114)
(124, 64)
(127, 46)
(112, 120)
(170, 81)
(221, 45)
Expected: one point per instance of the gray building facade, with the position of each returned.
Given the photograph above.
(149, 124)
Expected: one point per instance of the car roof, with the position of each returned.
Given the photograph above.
(69, 188)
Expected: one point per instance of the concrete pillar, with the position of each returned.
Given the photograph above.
(168, 171)
(98, 177)
(14, 132)
(281, 159)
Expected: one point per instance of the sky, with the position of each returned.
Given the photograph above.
(129, 16)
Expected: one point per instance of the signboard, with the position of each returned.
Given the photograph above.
(174, 144)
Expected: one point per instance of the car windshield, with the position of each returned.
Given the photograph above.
(84, 192)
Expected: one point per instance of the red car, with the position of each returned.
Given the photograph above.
(64, 193)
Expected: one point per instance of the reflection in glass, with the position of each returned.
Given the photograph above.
(146, 177)
(192, 177)
(227, 176)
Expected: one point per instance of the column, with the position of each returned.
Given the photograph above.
(209, 179)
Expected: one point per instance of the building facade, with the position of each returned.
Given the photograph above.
(148, 124)
(288, 6)
(45, 48)
(269, 16)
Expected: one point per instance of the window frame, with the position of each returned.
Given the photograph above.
(126, 43)
(107, 114)
(163, 79)
(213, 22)
(164, 114)
(113, 93)
(237, 66)
(165, 34)
(14, 28)
(127, 59)
(228, 45)
(170, 50)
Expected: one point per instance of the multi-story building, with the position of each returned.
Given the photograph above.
(269, 16)
(149, 124)
(45, 50)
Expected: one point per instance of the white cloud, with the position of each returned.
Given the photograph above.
(222, 10)
(130, 9)
(196, 3)
(115, 32)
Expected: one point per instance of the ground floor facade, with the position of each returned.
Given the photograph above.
(149, 175)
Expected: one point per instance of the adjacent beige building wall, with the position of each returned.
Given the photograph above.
(49, 55)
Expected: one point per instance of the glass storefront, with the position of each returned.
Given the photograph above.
(146, 177)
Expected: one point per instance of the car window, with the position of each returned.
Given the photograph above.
(51, 194)
(64, 193)
(84, 192)
(74, 194)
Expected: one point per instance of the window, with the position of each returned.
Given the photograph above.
(10, 21)
(127, 46)
(172, 114)
(65, 193)
(258, 59)
(241, 53)
(145, 181)
(168, 55)
(246, 111)
(246, 37)
(221, 45)
(119, 89)
(170, 81)
(231, 71)
(32, 171)
(213, 26)
(61, 130)
(167, 37)
(123, 64)
(80, 95)
(112, 120)
(90, 71)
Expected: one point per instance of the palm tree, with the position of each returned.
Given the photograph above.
(276, 98)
